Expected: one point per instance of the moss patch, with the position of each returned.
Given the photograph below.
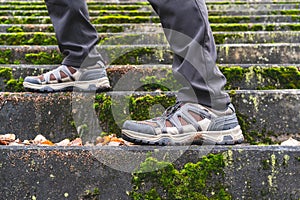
(5, 56)
(22, 38)
(9, 82)
(161, 180)
(43, 58)
(255, 77)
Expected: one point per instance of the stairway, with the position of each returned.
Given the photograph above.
(258, 45)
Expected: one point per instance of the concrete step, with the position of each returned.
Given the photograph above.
(245, 172)
(144, 2)
(153, 19)
(92, 13)
(154, 27)
(149, 12)
(239, 77)
(67, 115)
(279, 53)
(252, 37)
(132, 6)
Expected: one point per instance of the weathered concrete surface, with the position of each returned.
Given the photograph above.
(264, 114)
(152, 27)
(27, 115)
(254, 37)
(278, 53)
(251, 172)
(267, 112)
(238, 76)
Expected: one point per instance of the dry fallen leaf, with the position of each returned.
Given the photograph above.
(7, 138)
(64, 142)
(106, 140)
(76, 142)
(39, 139)
(290, 142)
(47, 143)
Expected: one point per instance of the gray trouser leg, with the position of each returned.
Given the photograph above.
(187, 29)
(75, 34)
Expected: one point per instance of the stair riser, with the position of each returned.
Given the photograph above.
(27, 115)
(244, 78)
(155, 19)
(136, 55)
(210, 7)
(152, 13)
(129, 28)
(154, 38)
(39, 172)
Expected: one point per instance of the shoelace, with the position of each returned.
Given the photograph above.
(171, 110)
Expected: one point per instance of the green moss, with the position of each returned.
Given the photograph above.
(121, 13)
(140, 107)
(124, 19)
(161, 180)
(165, 83)
(23, 13)
(110, 29)
(103, 107)
(27, 39)
(135, 56)
(280, 77)
(251, 136)
(14, 29)
(91, 194)
(229, 19)
(5, 56)
(25, 20)
(10, 83)
(233, 74)
(23, 7)
(255, 77)
(112, 112)
(43, 58)
(254, 27)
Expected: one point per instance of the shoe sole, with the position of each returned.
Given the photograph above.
(86, 86)
(226, 137)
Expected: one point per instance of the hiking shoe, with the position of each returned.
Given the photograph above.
(186, 123)
(66, 78)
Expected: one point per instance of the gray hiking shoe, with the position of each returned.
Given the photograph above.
(186, 123)
(65, 78)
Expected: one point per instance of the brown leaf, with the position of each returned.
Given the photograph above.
(76, 142)
(106, 140)
(47, 143)
(8, 137)
(39, 139)
(64, 142)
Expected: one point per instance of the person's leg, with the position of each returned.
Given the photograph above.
(188, 31)
(82, 67)
(75, 34)
(203, 112)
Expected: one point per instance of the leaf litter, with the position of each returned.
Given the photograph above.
(40, 140)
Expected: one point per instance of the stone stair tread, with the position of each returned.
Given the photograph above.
(252, 37)
(141, 19)
(239, 76)
(227, 53)
(154, 27)
(150, 12)
(249, 171)
(257, 110)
